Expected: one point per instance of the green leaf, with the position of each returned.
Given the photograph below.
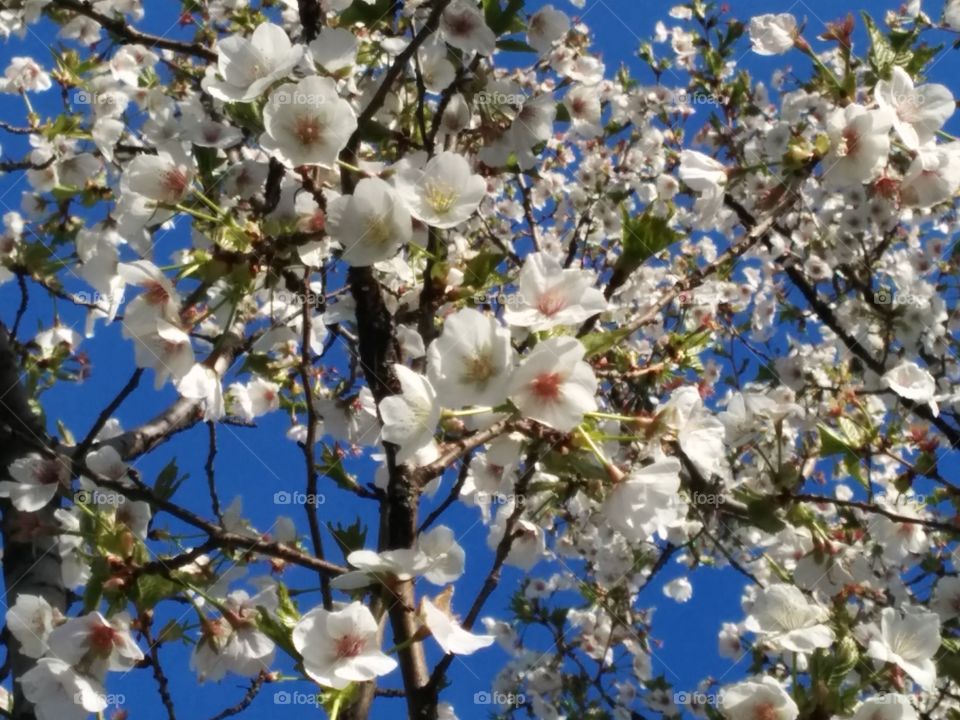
(332, 467)
(168, 480)
(882, 55)
(515, 46)
(362, 12)
(763, 515)
(832, 443)
(598, 343)
(643, 237)
(350, 537)
(503, 20)
(151, 589)
(481, 267)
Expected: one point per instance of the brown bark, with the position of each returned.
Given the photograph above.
(31, 562)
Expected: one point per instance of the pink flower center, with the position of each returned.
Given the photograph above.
(765, 711)
(102, 638)
(546, 386)
(349, 646)
(308, 129)
(552, 302)
(48, 472)
(462, 24)
(176, 181)
(155, 293)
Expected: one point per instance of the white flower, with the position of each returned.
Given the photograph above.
(470, 363)
(371, 224)
(99, 643)
(859, 144)
(946, 598)
(335, 50)
(256, 398)
(546, 26)
(919, 112)
(706, 177)
(529, 544)
(678, 589)
(783, 617)
(773, 34)
(387, 566)
(463, 26)
(444, 193)
(161, 177)
(236, 644)
(167, 351)
(410, 418)
(158, 301)
(36, 480)
(23, 74)
(550, 295)
(951, 14)
(447, 631)
(910, 381)
(203, 384)
(61, 693)
(443, 557)
(554, 386)
(910, 641)
(31, 620)
(307, 123)
(887, 706)
(752, 700)
(933, 177)
(249, 66)
(341, 647)
(899, 539)
(583, 105)
(644, 501)
(698, 431)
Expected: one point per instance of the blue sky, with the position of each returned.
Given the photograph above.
(255, 464)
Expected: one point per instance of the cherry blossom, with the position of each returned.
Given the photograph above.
(553, 385)
(340, 646)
